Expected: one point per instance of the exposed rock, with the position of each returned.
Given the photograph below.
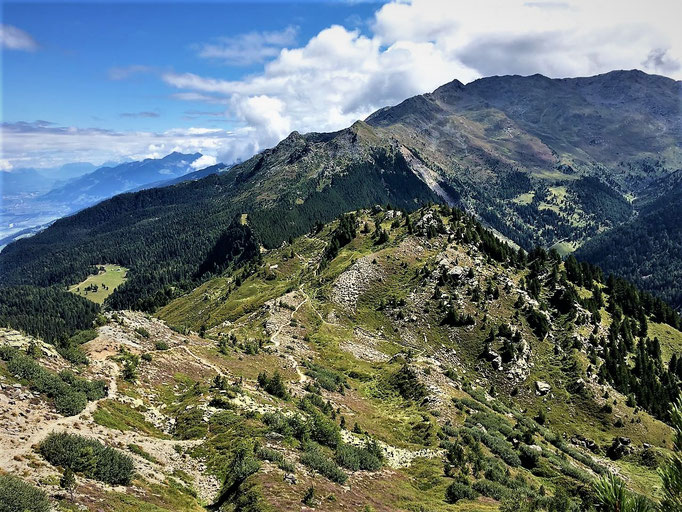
(542, 388)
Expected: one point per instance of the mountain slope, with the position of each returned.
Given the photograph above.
(391, 363)
(647, 250)
(543, 162)
(109, 181)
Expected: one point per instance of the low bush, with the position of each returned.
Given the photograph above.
(18, 496)
(69, 392)
(457, 491)
(315, 458)
(491, 489)
(273, 385)
(190, 424)
(89, 457)
(325, 378)
(368, 457)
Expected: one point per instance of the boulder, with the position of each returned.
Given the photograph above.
(542, 388)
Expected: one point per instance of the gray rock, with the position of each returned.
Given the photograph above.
(542, 388)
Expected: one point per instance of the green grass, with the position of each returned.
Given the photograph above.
(565, 248)
(112, 277)
(524, 199)
(118, 416)
(670, 338)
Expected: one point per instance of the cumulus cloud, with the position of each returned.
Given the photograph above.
(342, 75)
(410, 47)
(45, 144)
(13, 38)
(249, 48)
(204, 161)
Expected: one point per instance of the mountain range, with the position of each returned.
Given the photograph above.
(32, 198)
(552, 162)
(404, 315)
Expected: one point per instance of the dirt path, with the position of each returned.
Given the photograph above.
(46, 427)
(201, 360)
(277, 343)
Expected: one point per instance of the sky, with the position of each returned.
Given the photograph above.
(104, 81)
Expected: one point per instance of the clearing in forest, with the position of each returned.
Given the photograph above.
(99, 286)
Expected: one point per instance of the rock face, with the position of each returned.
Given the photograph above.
(542, 388)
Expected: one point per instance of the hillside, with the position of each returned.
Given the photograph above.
(380, 362)
(542, 161)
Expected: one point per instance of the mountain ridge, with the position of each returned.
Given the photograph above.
(480, 157)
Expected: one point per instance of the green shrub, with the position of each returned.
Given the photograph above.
(529, 457)
(359, 457)
(273, 385)
(491, 489)
(69, 392)
(316, 459)
(496, 445)
(18, 496)
(324, 430)
(325, 378)
(266, 453)
(190, 424)
(458, 491)
(142, 332)
(161, 345)
(407, 384)
(87, 456)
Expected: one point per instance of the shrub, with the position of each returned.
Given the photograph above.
(161, 345)
(266, 453)
(496, 445)
(273, 385)
(490, 489)
(130, 364)
(529, 457)
(406, 382)
(316, 459)
(69, 392)
(142, 332)
(458, 491)
(87, 456)
(189, 424)
(324, 430)
(325, 378)
(368, 457)
(18, 496)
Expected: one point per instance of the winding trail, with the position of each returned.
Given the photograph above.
(277, 343)
(46, 427)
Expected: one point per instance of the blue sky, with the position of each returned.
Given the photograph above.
(69, 80)
(103, 81)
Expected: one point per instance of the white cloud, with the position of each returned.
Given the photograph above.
(13, 38)
(411, 47)
(249, 48)
(204, 161)
(42, 144)
(341, 75)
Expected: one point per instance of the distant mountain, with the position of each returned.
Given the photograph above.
(28, 180)
(108, 181)
(191, 176)
(23, 181)
(542, 161)
(68, 171)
